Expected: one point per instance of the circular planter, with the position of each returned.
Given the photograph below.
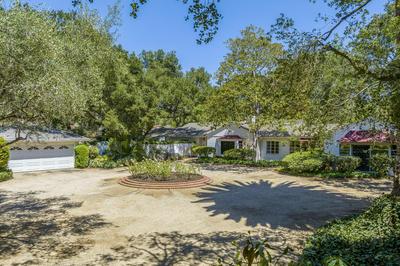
(128, 182)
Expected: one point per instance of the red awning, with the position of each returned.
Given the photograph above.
(230, 137)
(366, 136)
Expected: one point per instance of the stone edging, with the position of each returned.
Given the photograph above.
(125, 181)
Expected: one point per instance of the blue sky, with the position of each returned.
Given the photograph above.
(161, 25)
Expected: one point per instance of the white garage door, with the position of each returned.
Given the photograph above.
(39, 159)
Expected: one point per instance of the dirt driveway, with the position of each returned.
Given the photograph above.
(83, 217)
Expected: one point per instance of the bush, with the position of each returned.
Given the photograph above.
(103, 162)
(240, 154)
(4, 154)
(6, 175)
(162, 170)
(381, 164)
(203, 151)
(81, 156)
(93, 152)
(304, 162)
(371, 238)
(251, 163)
(347, 164)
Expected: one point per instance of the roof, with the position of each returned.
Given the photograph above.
(230, 137)
(45, 135)
(366, 136)
(190, 130)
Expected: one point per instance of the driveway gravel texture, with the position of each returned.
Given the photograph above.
(84, 217)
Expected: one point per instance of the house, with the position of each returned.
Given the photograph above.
(276, 143)
(272, 144)
(362, 140)
(41, 150)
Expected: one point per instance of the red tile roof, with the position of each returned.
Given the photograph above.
(366, 136)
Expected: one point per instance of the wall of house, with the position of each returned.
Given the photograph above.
(213, 138)
(284, 149)
(332, 145)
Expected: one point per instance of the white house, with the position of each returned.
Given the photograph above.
(362, 140)
(41, 150)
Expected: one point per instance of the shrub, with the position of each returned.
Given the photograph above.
(81, 156)
(371, 238)
(347, 164)
(6, 175)
(103, 162)
(304, 162)
(203, 151)
(4, 154)
(162, 170)
(381, 164)
(93, 152)
(223, 160)
(240, 154)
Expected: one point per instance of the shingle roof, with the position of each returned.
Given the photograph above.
(187, 131)
(46, 135)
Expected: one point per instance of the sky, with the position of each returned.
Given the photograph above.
(161, 24)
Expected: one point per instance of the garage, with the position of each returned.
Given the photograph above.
(41, 150)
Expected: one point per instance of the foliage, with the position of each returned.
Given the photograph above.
(4, 154)
(162, 170)
(5, 175)
(203, 151)
(346, 164)
(304, 162)
(371, 238)
(50, 66)
(103, 162)
(251, 163)
(81, 156)
(381, 164)
(93, 152)
(239, 154)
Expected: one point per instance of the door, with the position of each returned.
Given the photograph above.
(227, 145)
(362, 151)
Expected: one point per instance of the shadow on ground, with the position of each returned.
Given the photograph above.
(43, 227)
(370, 185)
(287, 205)
(175, 248)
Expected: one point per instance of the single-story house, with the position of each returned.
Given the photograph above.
(41, 150)
(272, 144)
(362, 140)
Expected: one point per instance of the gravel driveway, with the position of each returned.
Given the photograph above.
(83, 217)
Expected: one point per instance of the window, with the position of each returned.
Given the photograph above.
(33, 148)
(49, 148)
(344, 149)
(379, 149)
(294, 146)
(272, 147)
(240, 144)
(16, 149)
(393, 150)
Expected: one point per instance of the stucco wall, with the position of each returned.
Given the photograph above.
(284, 149)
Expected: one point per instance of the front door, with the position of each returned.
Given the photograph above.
(227, 145)
(362, 151)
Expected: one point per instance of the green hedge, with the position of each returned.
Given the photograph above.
(6, 175)
(4, 154)
(81, 156)
(311, 162)
(371, 238)
(240, 154)
(381, 164)
(203, 151)
(251, 163)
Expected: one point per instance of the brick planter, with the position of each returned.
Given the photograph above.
(126, 181)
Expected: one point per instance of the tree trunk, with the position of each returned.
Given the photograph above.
(396, 177)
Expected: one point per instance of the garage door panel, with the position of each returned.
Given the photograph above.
(40, 164)
(41, 153)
